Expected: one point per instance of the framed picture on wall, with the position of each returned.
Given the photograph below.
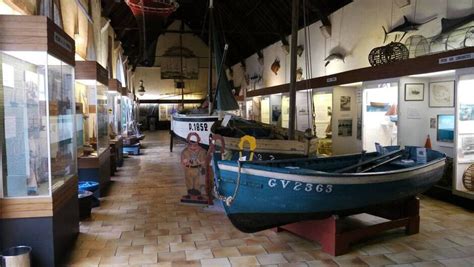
(414, 91)
(441, 94)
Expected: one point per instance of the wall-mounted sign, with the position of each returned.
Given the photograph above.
(456, 58)
(62, 42)
(331, 79)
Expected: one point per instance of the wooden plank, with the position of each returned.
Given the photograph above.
(35, 33)
(91, 70)
(88, 162)
(60, 44)
(66, 192)
(30, 207)
(115, 85)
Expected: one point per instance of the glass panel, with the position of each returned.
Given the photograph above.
(118, 113)
(465, 135)
(82, 117)
(379, 115)
(102, 119)
(23, 127)
(61, 121)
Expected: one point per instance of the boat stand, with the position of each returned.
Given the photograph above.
(336, 234)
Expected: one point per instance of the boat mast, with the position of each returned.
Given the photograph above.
(294, 40)
(209, 72)
(181, 81)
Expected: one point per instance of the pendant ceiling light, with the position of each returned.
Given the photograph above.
(141, 88)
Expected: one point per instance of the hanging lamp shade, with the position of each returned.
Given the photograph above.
(162, 8)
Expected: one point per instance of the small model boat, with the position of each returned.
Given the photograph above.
(260, 195)
(272, 141)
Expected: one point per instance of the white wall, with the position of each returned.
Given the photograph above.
(356, 30)
(156, 87)
(413, 131)
(344, 144)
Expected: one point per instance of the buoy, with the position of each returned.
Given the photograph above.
(428, 142)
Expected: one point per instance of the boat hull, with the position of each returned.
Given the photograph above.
(182, 125)
(267, 199)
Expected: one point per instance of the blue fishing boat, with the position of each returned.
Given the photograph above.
(259, 195)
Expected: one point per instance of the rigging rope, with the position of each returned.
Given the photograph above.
(309, 71)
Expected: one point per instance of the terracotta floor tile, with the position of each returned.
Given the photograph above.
(275, 258)
(114, 261)
(456, 263)
(298, 256)
(182, 246)
(428, 264)
(252, 250)
(225, 252)
(171, 256)
(208, 244)
(244, 261)
(353, 261)
(193, 237)
(276, 248)
(232, 242)
(217, 262)
(169, 239)
(403, 257)
(376, 260)
(143, 258)
(92, 244)
(323, 263)
(121, 251)
(105, 252)
(186, 264)
(156, 248)
(199, 254)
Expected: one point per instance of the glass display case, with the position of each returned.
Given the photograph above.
(93, 97)
(126, 107)
(463, 183)
(114, 110)
(37, 128)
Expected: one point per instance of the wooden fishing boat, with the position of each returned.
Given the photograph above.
(183, 124)
(272, 141)
(260, 195)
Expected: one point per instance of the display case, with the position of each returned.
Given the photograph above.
(91, 94)
(37, 112)
(114, 99)
(38, 137)
(126, 107)
(463, 183)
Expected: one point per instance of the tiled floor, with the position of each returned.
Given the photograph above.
(142, 223)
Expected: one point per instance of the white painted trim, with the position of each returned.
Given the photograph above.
(319, 178)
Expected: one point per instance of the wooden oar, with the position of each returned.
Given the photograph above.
(394, 153)
(381, 163)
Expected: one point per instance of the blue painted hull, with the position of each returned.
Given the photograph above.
(268, 197)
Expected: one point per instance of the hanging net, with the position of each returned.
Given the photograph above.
(162, 8)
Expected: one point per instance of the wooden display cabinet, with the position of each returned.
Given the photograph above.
(38, 195)
(91, 92)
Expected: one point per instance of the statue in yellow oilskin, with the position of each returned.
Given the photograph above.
(194, 160)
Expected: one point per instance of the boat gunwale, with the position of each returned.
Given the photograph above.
(248, 168)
